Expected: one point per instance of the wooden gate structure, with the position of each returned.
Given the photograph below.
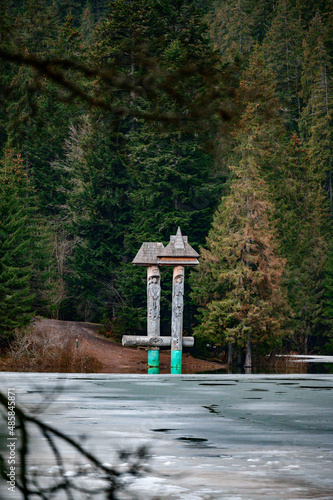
(178, 254)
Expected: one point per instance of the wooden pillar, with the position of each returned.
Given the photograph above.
(177, 319)
(153, 315)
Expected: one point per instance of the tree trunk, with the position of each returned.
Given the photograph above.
(248, 356)
(330, 191)
(229, 354)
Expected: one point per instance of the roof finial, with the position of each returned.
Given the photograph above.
(179, 242)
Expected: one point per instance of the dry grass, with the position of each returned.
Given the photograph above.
(47, 351)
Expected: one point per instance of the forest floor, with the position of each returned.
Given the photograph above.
(112, 357)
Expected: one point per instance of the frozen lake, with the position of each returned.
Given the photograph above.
(235, 437)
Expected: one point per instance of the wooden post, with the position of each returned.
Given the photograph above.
(177, 319)
(153, 315)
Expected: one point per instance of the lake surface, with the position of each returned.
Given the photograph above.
(232, 437)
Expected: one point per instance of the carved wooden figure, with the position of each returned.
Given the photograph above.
(178, 253)
(147, 256)
(153, 312)
(177, 317)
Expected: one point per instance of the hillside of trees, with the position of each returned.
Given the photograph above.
(122, 120)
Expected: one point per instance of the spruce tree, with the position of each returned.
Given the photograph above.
(316, 129)
(6, 70)
(283, 51)
(16, 266)
(262, 12)
(27, 265)
(231, 29)
(326, 344)
(301, 214)
(246, 303)
(38, 112)
(138, 181)
(317, 92)
(95, 217)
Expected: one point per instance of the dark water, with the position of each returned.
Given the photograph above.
(310, 368)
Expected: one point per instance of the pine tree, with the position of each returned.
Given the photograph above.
(27, 266)
(316, 129)
(97, 215)
(300, 210)
(172, 184)
(87, 25)
(317, 92)
(231, 29)
(262, 12)
(138, 182)
(38, 115)
(246, 304)
(308, 9)
(326, 344)
(283, 51)
(16, 269)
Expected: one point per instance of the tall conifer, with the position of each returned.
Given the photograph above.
(283, 51)
(246, 305)
(317, 91)
(231, 29)
(16, 267)
(300, 210)
(137, 182)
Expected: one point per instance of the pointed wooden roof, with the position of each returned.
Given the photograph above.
(178, 252)
(147, 255)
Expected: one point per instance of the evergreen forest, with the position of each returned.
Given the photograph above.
(122, 120)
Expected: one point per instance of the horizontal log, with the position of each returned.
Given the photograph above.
(136, 340)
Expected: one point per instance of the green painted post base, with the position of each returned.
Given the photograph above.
(153, 358)
(153, 371)
(176, 371)
(176, 362)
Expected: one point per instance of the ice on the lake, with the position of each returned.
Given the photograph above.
(216, 437)
(308, 358)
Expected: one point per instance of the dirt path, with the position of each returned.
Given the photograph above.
(114, 357)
